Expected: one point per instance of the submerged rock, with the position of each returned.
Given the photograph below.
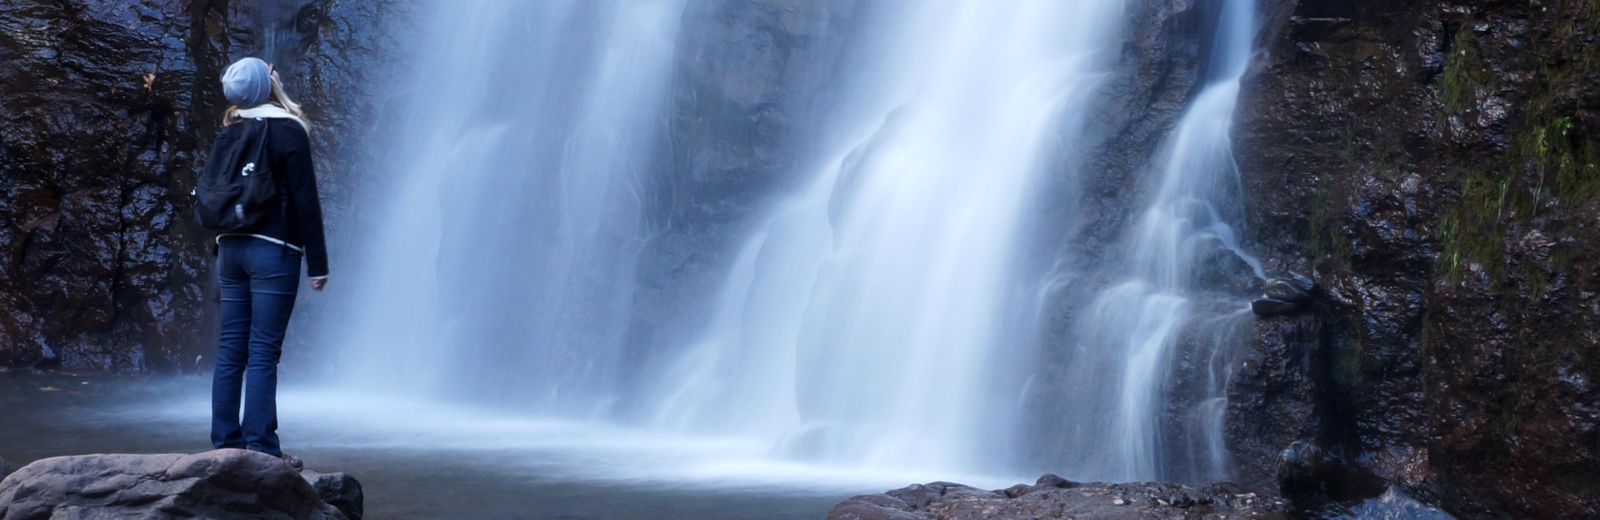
(1055, 497)
(215, 484)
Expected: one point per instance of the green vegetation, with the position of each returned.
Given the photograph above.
(1505, 418)
(1551, 156)
(1475, 229)
(1328, 240)
(1347, 364)
(1463, 74)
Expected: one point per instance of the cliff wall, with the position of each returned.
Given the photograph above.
(1433, 165)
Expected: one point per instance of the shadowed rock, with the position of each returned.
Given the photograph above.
(1268, 307)
(215, 484)
(1055, 497)
(339, 490)
(1308, 475)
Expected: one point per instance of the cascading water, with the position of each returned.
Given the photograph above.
(873, 318)
(501, 269)
(864, 322)
(1129, 335)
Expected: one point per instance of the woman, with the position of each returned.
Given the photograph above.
(259, 268)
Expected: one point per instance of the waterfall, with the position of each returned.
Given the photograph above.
(864, 324)
(1128, 337)
(502, 257)
(878, 317)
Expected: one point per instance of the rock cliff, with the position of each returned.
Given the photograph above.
(106, 110)
(1433, 165)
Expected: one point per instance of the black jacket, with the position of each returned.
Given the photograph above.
(298, 221)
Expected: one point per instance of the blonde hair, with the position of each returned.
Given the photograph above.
(278, 97)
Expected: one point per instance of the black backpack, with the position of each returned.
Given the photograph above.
(236, 191)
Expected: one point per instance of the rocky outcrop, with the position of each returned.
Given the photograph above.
(1053, 497)
(106, 111)
(214, 484)
(1433, 164)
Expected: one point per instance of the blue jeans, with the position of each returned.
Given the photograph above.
(259, 280)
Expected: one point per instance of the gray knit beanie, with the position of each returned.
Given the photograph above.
(247, 82)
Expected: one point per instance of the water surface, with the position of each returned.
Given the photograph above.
(437, 461)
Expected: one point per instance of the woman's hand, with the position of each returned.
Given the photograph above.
(317, 284)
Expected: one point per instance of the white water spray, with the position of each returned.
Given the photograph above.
(865, 323)
(502, 265)
(1128, 336)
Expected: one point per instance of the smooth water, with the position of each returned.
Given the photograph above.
(875, 319)
(459, 463)
(1129, 335)
(467, 463)
(863, 324)
(500, 264)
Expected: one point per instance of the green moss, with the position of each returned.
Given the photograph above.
(1504, 424)
(1327, 240)
(1347, 365)
(1506, 419)
(1550, 144)
(1463, 73)
(1474, 230)
(1388, 164)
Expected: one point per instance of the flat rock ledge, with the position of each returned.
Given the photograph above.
(1054, 497)
(215, 484)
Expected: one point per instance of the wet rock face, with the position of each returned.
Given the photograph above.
(1432, 164)
(106, 111)
(215, 484)
(1097, 185)
(1055, 497)
(96, 141)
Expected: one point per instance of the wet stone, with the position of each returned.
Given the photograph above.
(215, 484)
(339, 490)
(1268, 307)
(1054, 497)
(1286, 290)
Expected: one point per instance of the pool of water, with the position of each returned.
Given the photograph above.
(434, 461)
(424, 460)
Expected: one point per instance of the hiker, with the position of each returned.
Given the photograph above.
(259, 192)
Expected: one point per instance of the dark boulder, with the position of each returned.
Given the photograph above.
(339, 490)
(1055, 497)
(215, 484)
(1268, 307)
